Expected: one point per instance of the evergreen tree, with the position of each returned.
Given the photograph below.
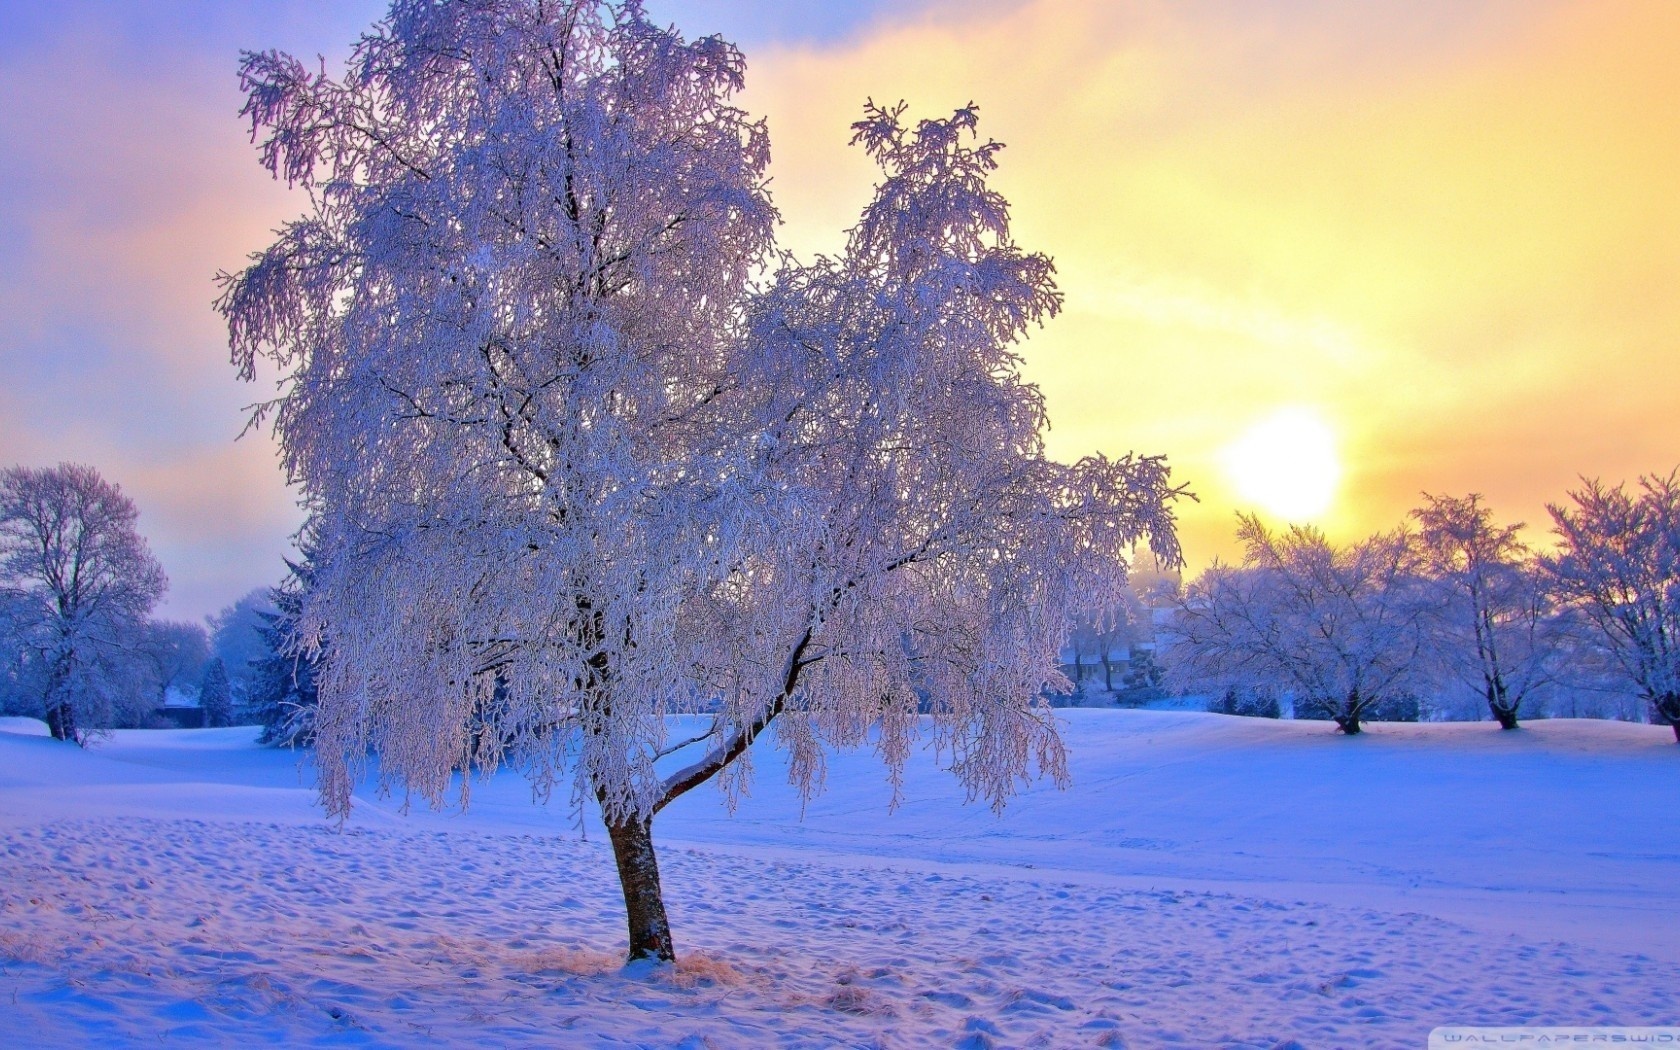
(1144, 679)
(213, 694)
(236, 637)
(283, 680)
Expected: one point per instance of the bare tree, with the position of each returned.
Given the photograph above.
(1089, 642)
(1494, 618)
(1121, 637)
(569, 475)
(1339, 628)
(1618, 567)
(79, 582)
(1116, 628)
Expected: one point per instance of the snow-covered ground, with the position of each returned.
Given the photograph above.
(1206, 882)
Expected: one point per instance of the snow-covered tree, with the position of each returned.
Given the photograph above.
(1590, 681)
(1110, 632)
(924, 545)
(1083, 645)
(1339, 628)
(1249, 703)
(283, 698)
(1493, 620)
(1144, 677)
(174, 653)
(237, 639)
(79, 583)
(568, 475)
(213, 695)
(1121, 639)
(19, 667)
(1151, 586)
(1618, 568)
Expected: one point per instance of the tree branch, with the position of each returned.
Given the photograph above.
(692, 776)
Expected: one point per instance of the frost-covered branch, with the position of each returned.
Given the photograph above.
(1618, 567)
(1340, 628)
(572, 470)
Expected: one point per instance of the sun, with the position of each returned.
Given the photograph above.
(1286, 464)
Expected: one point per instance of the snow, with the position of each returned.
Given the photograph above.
(1206, 882)
(23, 726)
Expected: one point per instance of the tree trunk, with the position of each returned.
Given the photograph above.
(644, 903)
(1665, 711)
(1504, 712)
(1108, 671)
(61, 722)
(61, 714)
(1668, 705)
(1348, 719)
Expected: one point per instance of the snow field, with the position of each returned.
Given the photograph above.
(157, 890)
(117, 933)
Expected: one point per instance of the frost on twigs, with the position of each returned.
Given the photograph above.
(1341, 628)
(77, 585)
(1496, 633)
(1617, 572)
(571, 472)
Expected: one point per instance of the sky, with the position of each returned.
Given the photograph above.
(1323, 256)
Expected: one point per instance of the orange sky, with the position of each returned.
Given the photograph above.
(1450, 231)
(1445, 231)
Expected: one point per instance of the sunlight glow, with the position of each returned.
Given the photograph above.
(1286, 464)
